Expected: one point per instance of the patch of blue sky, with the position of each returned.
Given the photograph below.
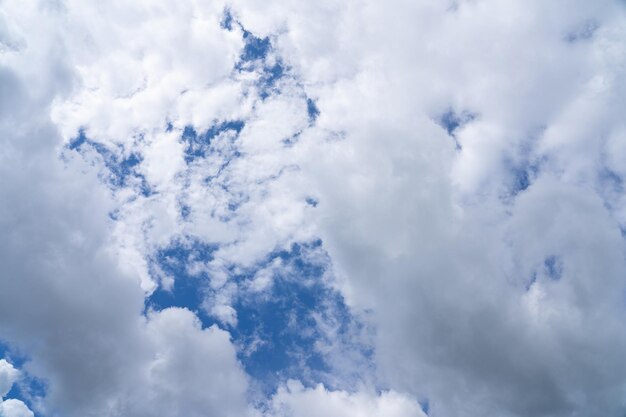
(11, 355)
(29, 390)
(312, 110)
(255, 48)
(531, 281)
(78, 141)
(293, 139)
(452, 120)
(185, 210)
(227, 20)
(583, 32)
(523, 169)
(268, 81)
(257, 56)
(520, 179)
(610, 186)
(611, 180)
(278, 328)
(121, 169)
(188, 289)
(285, 321)
(553, 266)
(425, 405)
(234, 199)
(283, 331)
(200, 145)
(311, 201)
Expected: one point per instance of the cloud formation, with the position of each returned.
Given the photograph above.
(303, 209)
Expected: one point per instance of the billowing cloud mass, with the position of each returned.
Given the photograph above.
(8, 376)
(302, 209)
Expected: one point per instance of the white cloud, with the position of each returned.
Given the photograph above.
(192, 372)
(296, 401)
(135, 71)
(8, 376)
(14, 408)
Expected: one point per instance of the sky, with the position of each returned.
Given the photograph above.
(286, 208)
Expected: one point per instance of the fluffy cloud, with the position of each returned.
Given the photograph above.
(294, 400)
(464, 172)
(8, 376)
(189, 371)
(14, 408)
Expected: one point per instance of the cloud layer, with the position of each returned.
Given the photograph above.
(293, 209)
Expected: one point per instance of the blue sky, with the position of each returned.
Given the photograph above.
(279, 209)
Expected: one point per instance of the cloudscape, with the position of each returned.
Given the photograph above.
(333, 208)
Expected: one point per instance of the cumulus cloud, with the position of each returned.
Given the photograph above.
(189, 371)
(294, 400)
(459, 162)
(14, 408)
(8, 376)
